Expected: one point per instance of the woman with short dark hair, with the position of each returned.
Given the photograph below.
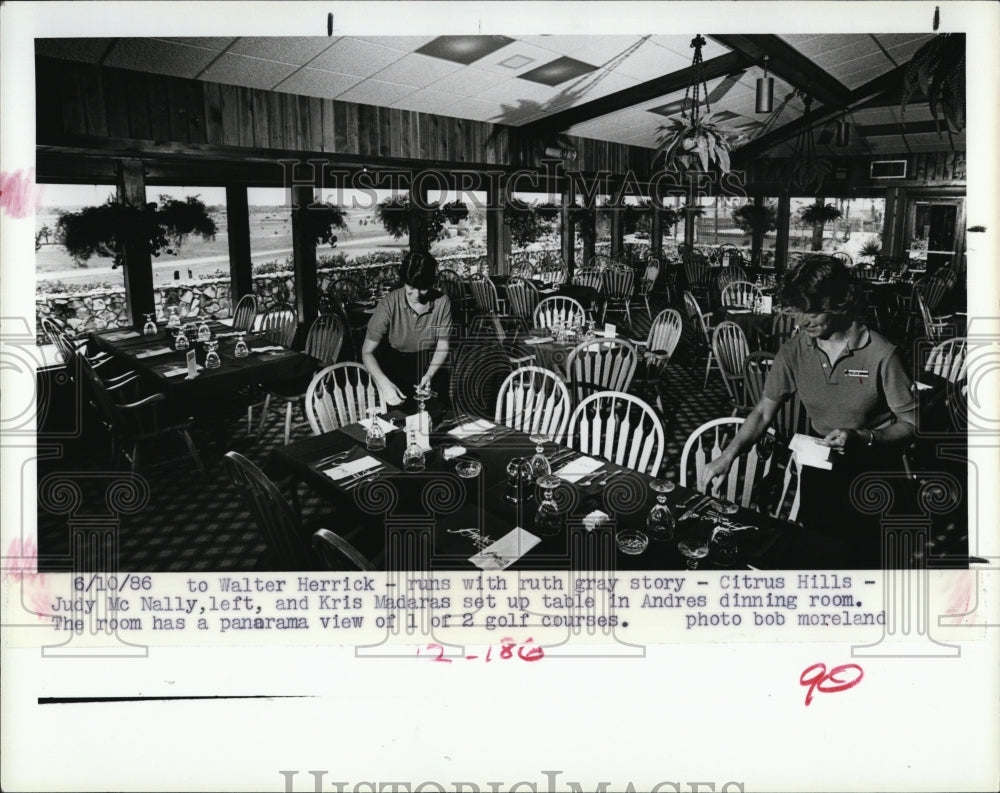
(855, 389)
(409, 325)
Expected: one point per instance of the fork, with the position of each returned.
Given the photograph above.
(333, 458)
(607, 479)
(363, 476)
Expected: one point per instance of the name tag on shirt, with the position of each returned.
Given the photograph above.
(859, 373)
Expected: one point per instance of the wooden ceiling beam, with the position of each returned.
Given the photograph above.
(789, 64)
(620, 100)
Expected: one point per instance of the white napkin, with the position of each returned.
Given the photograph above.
(227, 335)
(551, 290)
(179, 370)
(451, 452)
(595, 519)
(538, 340)
(472, 428)
(121, 334)
(155, 351)
(509, 548)
(575, 470)
(386, 426)
(923, 386)
(354, 467)
(810, 453)
(739, 311)
(269, 348)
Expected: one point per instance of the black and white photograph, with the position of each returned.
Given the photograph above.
(499, 396)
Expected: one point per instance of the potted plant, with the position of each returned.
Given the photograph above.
(399, 216)
(818, 215)
(524, 224)
(106, 229)
(322, 219)
(937, 71)
(687, 143)
(870, 250)
(750, 218)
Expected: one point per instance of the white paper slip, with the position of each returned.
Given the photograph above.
(575, 470)
(923, 386)
(538, 340)
(738, 311)
(809, 452)
(354, 467)
(270, 348)
(386, 426)
(154, 352)
(472, 428)
(505, 551)
(178, 370)
(118, 335)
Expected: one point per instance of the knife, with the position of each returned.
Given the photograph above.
(693, 512)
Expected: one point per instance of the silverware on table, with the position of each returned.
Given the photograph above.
(356, 479)
(699, 505)
(333, 458)
(608, 478)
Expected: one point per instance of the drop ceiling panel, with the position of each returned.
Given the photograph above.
(401, 43)
(417, 70)
(468, 81)
(249, 72)
(538, 56)
(360, 58)
(286, 49)
(427, 101)
(166, 57)
(650, 60)
(316, 82)
(217, 43)
(85, 50)
(376, 92)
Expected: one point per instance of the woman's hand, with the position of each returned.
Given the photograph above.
(425, 383)
(391, 392)
(840, 439)
(714, 471)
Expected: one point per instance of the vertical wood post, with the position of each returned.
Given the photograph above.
(757, 233)
(781, 242)
(568, 235)
(138, 263)
(497, 232)
(655, 230)
(238, 226)
(304, 257)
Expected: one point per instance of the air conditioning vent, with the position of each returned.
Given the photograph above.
(888, 169)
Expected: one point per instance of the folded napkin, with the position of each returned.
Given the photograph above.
(154, 352)
(472, 428)
(451, 452)
(269, 348)
(353, 467)
(550, 291)
(594, 519)
(505, 551)
(575, 470)
(386, 426)
(538, 340)
(179, 370)
(118, 335)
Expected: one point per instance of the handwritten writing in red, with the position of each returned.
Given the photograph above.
(818, 679)
(526, 651)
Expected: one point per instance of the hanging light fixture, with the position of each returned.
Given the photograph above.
(765, 92)
(843, 131)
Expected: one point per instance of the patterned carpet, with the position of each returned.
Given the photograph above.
(194, 522)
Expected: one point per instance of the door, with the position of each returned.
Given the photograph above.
(933, 234)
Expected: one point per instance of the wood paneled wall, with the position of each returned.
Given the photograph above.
(88, 101)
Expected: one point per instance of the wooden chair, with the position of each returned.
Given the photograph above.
(703, 332)
(783, 327)
(619, 283)
(137, 423)
(745, 476)
(949, 360)
(245, 314)
(934, 327)
(948, 275)
(535, 401)
(730, 275)
(278, 325)
(729, 343)
(478, 373)
(600, 262)
(323, 343)
(648, 283)
(333, 549)
(484, 295)
(453, 286)
(523, 296)
(865, 272)
(521, 266)
(618, 427)
(664, 334)
(929, 289)
(558, 309)
(601, 365)
(844, 256)
(67, 346)
(698, 274)
(497, 329)
(755, 370)
(740, 293)
(554, 273)
(589, 276)
(730, 257)
(347, 289)
(341, 394)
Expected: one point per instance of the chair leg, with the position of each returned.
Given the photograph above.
(193, 450)
(135, 457)
(263, 417)
(288, 421)
(648, 312)
(708, 368)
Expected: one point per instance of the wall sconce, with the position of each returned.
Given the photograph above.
(765, 92)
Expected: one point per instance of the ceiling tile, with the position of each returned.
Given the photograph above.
(464, 49)
(161, 57)
(287, 49)
(250, 72)
(428, 101)
(360, 58)
(477, 109)
(558, 71)
(317, 82)
(649, 60)
(417, 70)
(401, 43)
(890, 40)
(85, 50)
(376, 92)
(681, 45)
(468, 81)
(538, 56)
(217, 43)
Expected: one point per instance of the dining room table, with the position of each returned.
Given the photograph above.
(460, 512)
(591, 299)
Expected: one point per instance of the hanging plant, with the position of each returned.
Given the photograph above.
(750, 218)
(687, 144)
(819, 214)
(321, 220)
(585, 219)
(523, 223)
(547, 211)
(806, 171)
(455, 211)
(395, 215)
(871, 248)
(106, 229)
(937, 71)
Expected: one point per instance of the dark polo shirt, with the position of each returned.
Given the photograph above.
(407, 331)
(865, 388)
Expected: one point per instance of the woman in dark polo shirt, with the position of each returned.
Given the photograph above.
(407, 339)
(857, 394)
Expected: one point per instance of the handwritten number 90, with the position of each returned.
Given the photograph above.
(818, 679)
